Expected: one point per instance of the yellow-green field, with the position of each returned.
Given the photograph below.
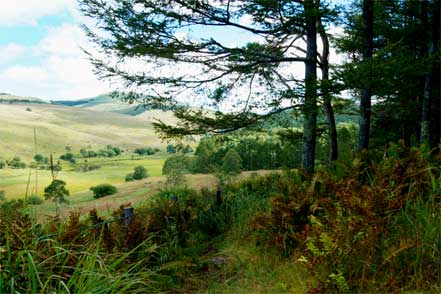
(60, 126)
(113, 171)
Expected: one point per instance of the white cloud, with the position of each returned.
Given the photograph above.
(10, 52)
(25, 74)
(15, 12)
(61, 70)
(65, 40)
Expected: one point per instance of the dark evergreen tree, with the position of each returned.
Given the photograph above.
(257, 76)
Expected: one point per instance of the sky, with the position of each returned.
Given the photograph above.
(40, 51)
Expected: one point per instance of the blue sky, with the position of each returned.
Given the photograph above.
(40, 51)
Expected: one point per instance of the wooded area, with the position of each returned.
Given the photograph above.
(391, 64)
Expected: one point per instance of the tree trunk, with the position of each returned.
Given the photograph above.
(425, 123)
(366, 92)
(435, 93)
(310, 107)
(324, 66)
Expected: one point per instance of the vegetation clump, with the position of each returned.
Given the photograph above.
(139, 173)
(103, 190)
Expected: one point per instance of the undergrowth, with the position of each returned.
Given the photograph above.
(358, 227)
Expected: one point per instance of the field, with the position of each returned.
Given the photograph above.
(59, 126)
(112, 171)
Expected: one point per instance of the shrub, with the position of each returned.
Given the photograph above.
(68, 156)
(231, 163)
(103, 190)
(56, 191)
(129, 177)
(2, 164)
(17, 163)
(182, 163)
(146, 151)
(140, 173)
(34, 200)
(171, 149)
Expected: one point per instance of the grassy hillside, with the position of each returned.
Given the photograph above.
(59, 126)
(6, 98)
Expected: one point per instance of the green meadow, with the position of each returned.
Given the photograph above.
(14, 182)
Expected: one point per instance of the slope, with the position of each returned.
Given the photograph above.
(60, 126)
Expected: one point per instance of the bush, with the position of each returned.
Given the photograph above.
(182, 163)
(2, 164)
(34, 200)
(140, 173)
(103, 190)
(231, 163)
(68, 157)
(129, 177)
(17, 163)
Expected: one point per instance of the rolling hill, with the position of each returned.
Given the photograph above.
(6, 98)
(59, 126)
(104, 103)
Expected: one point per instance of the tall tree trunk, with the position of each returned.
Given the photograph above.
(324, 66)
(310, 108)
(425, 123)
(435, 93)
(366, 92)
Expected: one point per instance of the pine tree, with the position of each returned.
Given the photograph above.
(257, 77)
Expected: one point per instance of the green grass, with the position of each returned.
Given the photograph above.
(112, 171)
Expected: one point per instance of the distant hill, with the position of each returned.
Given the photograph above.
(58, 126)
(104, 103)
(6, 98)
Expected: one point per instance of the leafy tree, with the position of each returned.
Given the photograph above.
(2, 163)
(17, 163)
(178, 163)
(69, 156)
(56, 191)
(149, 30)
(171, 149)
(231, 163)
(202, 162)
(39, 158)
(140, 173)
(103, 190)
(129, 177)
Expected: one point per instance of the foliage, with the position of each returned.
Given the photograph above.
(16, 163)
(231, 163)
(179, 162)
(39, 158)
(354, 232)
(146, 151)
(103, 190)
(68, 156)
(34, 200)
(129, 177)
(139, 173)
(56, 191)
(176, 178)
(171, 149)
(2, 163)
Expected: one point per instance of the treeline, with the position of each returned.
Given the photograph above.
(271, 149)
(40, 162)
